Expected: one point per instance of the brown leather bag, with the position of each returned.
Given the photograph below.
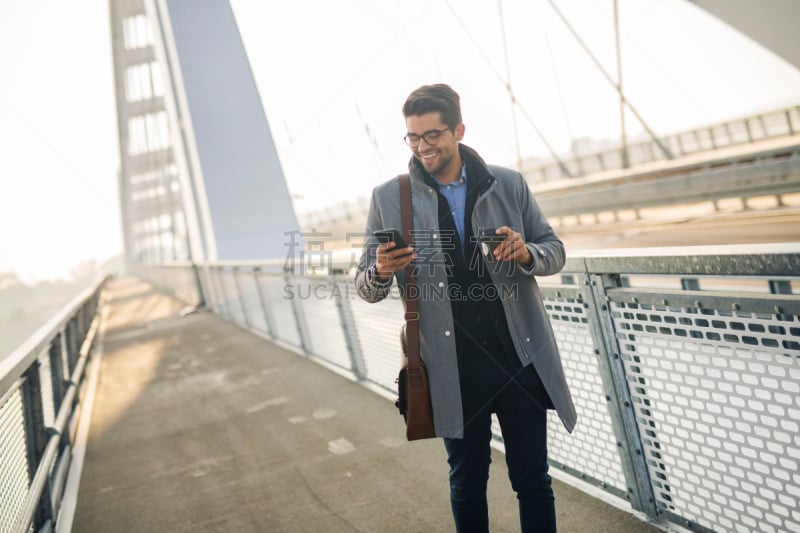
(414, 393)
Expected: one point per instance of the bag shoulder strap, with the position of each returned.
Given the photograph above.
(412, 313)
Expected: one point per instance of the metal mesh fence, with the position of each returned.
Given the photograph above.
(717, 397)
(233, 302)
(13, 461)
(378, 328)
(591, 450)
(688, 400)
(250, 300)
(280, 309)
(317, 300)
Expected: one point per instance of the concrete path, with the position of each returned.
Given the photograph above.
(199, 425)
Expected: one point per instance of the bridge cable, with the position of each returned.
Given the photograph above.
(542, 138)
(608, 77)
(557, 80)
(508, 82)
(624, 137)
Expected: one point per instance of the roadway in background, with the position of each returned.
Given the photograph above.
(748, 227)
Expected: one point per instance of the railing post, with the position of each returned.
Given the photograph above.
(690, 284)
(57, 373)
(777, 286)
(221, 283)
(262, 299)
(72, 345)
(347, 320)
(763, 126)
(213, 297)
(713, 138)
(235, 273)
(620, 405)
(198, 282)
(36, 435)
(300, 321)
(727, 127)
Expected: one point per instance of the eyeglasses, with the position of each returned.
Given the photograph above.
(431, 137)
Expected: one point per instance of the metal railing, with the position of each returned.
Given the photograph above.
(772, 172)
(40, 385)
(684, 365)
(748, 130)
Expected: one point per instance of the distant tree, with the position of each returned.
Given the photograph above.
(85, 270)
(9, 279)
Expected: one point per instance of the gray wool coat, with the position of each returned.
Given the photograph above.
(507, 202)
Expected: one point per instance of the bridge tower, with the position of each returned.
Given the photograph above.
(200, 177)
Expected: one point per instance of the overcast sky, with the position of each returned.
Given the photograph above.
(333, 76)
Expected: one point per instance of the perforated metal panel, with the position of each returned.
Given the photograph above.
(250, 300)
(13, 461)
(378, 326)
(221, 299)
(232, 297)
(591, 450)
(317, 300)
(280, 309)
(717, 398)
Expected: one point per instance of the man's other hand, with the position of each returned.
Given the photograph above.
(512, 248)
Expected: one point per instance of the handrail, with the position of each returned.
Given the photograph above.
(705, 138)
(771, 258)
(56, 432)
(59, 349)
(13, 366)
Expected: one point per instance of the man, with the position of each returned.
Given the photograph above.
(484, 333)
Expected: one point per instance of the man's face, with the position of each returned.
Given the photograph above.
(436, 158)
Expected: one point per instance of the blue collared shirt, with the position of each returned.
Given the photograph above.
(456, 195)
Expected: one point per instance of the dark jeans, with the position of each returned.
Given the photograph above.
(523, 422)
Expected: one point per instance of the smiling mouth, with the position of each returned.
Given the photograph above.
(428, 156)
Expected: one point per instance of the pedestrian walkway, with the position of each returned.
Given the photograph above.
(198, 425)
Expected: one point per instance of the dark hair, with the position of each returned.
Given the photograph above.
(430, 98)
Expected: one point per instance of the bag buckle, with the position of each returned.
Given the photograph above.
(414, 315)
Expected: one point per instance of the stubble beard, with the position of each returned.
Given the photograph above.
(432, 168)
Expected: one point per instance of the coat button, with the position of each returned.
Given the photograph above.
(527, 339)
(441, 283)
(435, 236)
(447, 333)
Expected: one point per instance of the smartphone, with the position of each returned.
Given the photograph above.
(488, 241)
(391, 235)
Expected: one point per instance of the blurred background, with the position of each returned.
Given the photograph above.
(332, 78)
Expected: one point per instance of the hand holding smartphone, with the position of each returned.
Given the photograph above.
(489, 241)
(390, 264)
(391, 235)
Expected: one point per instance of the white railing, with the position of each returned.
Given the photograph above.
(684, 365)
